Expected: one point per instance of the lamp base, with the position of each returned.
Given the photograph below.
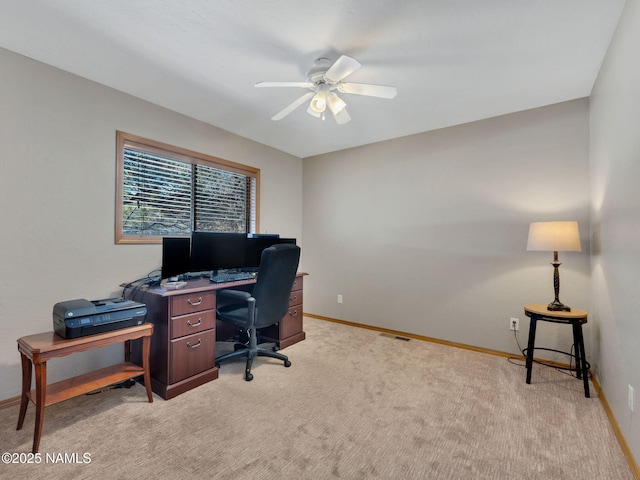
(557, 306)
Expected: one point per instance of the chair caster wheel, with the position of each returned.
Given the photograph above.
(248, 377)
(287, 363)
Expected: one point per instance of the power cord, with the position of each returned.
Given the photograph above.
(153, 278)
(566, 371)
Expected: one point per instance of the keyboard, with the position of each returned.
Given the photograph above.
(223, 277)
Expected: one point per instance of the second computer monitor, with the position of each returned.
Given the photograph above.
(217, 251)
(256, 245)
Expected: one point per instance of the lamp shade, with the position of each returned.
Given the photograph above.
(554, 237)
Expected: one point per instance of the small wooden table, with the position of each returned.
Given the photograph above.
(576, 318)
(36, 350)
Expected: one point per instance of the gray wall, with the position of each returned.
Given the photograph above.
(57, 191)
(615, 217)
(427, 234)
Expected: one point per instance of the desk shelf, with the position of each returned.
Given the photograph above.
(88, 382)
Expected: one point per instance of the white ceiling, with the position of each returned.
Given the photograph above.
(452, 61)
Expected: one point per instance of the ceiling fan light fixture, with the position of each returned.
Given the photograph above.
(311, 111)
(342, 117)
(319, 101)
(336, 104)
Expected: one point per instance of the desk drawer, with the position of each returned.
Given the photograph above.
(291, 324)
(192, 302)
(192, 323)
(192, 354)
(295, 298)
(297, 284)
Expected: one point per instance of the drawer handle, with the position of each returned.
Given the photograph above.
(195, 324)
(196, 345)
(194, 304)
(293, 299)
(294, 313)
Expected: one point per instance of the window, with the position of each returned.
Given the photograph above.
(169, 191)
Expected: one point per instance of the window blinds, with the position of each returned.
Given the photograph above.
(164, 196)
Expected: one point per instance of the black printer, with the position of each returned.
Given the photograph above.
(78, 318)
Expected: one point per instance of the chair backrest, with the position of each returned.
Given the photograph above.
(278, 268)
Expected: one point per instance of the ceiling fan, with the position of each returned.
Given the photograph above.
(324, 80)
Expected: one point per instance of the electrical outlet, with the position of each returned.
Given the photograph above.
(514, 324)
(339, 298)
(630, 398)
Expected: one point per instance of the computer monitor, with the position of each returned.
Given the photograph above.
(176, 256)
(217, 251)
(256, 245)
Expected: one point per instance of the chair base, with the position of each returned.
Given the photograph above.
(251, 353)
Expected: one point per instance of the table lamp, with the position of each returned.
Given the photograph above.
(555, 237)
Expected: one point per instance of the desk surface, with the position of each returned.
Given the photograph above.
(198, 285)
(203, 285)
(541, 309)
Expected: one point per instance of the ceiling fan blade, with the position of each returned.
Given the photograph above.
(287, 110)
(285, 84)
(342, 117)
(381, 91)
(341, 68)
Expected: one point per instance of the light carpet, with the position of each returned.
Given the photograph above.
(354, 405)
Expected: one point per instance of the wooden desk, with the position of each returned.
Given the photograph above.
(36, 350)
(576, 318)
(183, 349)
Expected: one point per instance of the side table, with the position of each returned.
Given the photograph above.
(36, 350)
(576, 318)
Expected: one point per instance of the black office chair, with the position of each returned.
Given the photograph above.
(266, 305)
